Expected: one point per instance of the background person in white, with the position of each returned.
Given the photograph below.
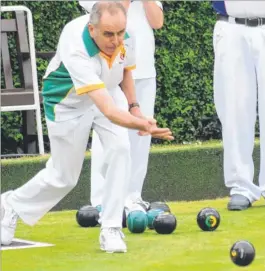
(239, 82)
(82, 81)
(143, 17)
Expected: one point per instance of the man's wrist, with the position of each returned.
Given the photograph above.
(146, 126)
(133, 105)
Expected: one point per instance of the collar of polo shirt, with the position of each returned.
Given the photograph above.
(92, 48)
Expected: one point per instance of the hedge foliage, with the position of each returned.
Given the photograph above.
(175, 173)
(184, 65)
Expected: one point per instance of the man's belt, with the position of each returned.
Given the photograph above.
(245, 21)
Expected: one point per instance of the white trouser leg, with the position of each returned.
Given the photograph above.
(235, 95)
(68, 141)
(259, 44)
(140, 145)
(114, 166)
(97, 181)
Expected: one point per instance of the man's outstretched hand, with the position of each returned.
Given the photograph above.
(156, 132)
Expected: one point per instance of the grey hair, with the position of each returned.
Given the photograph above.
(98, 8)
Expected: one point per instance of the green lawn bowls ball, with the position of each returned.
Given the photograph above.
(151, 215)
(137, 221)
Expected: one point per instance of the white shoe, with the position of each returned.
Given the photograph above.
(111, 240)
(136, 205)
(142, 203)
(8, 222)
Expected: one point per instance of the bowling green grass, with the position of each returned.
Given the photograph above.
(187, 249)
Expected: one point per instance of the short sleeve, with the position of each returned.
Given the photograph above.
(81, 67)
(83, 72)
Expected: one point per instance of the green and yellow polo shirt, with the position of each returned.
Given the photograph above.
(79, 67)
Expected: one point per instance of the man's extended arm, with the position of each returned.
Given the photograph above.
(106, 105)
(128, 87)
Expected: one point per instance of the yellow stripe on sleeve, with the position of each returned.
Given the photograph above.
(130, 68)
(88, 88)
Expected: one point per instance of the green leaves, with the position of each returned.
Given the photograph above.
(184, 62)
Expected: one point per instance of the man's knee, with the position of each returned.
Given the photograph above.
(67, 182)
(65, 178)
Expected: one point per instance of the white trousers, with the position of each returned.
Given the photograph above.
(140, 146)
(239, 83)
(68, 145)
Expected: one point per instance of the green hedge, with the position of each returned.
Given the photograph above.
(184, 65)
(174, 174)
(49, 17)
